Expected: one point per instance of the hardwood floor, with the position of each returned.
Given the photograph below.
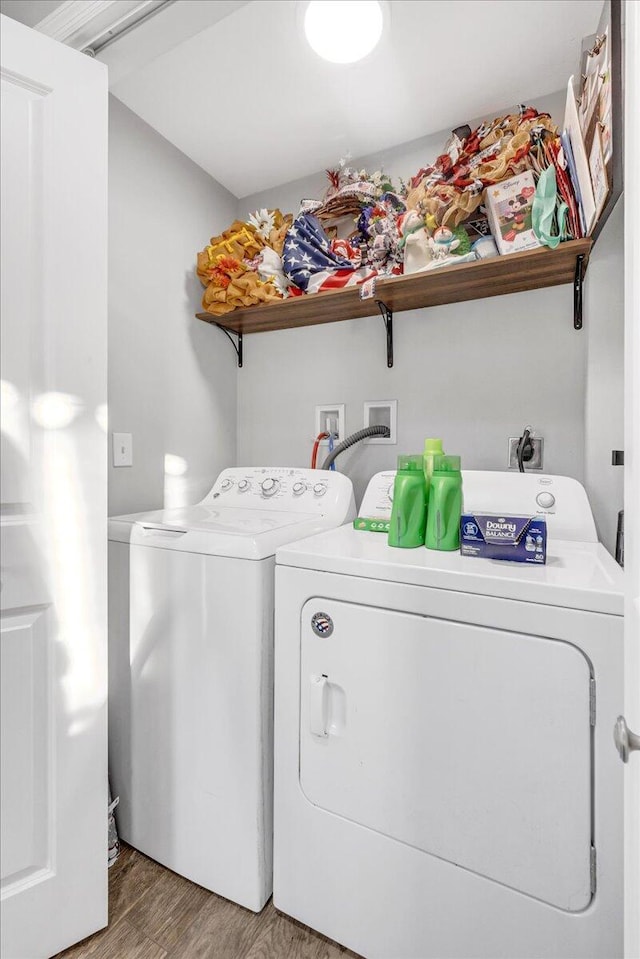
(156, 914)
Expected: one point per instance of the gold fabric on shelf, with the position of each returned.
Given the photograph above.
(234, 285)
(230, 283)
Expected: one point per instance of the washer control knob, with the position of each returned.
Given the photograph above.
(226, 484)
(269, 486)
(298, 488)
(390, 493)
(320, 489)
(546, 500)
(244, 485)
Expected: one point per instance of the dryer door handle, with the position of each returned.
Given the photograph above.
(319, 705)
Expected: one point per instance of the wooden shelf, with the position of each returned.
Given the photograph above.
(513, 273)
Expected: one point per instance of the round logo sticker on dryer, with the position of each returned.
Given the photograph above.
(322, 624)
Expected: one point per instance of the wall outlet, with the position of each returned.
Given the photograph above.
(122, 449)
(537, 460)
(382, 413)
(332, 413)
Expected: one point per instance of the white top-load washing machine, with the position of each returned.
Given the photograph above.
(446, 783)
(191, 671)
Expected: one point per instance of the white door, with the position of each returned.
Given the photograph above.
(53, 500)
(632, 475)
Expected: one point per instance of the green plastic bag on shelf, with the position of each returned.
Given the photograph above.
(547, 212)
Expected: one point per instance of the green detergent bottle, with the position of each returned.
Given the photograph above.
(432, 448)
(409, 510)
(445, 504)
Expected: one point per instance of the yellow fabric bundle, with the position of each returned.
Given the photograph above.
(279, 231)
(447, 204)
(241, 241)
(232, 285)
(513, 124)
(223, 266)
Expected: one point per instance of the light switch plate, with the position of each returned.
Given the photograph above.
(122, 449)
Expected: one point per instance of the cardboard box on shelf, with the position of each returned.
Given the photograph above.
(509, 206)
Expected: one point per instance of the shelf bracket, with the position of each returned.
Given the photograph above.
(236, 344)
(387, 319)
(577, 292)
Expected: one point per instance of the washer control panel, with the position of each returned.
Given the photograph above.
(282, 488)
(269, 486)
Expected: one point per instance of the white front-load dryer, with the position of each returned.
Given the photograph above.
(191, 671)
(446, 783)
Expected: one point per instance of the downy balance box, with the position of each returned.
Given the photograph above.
(521, 539)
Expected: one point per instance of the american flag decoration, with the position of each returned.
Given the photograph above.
(315, 263)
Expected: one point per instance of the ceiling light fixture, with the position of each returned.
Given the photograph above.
(344, 31)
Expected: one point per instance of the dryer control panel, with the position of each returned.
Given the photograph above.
(561, 500)
(378, 498)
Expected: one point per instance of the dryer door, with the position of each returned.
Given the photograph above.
(471, 744)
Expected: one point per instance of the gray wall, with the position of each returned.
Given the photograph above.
(401, 161)
(473, 373)
(604, 400)
(172, 378)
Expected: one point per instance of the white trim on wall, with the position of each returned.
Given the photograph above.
(80, 23)
(71, 16)
(632, 476)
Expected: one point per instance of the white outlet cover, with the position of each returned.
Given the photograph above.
(333, 410)
(536, 463)
(122, 449)
(385, 412)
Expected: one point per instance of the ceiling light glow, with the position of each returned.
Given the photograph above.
(343, 31)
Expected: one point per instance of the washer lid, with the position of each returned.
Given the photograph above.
(247, 513)
(577, 575)
(229, 520)
(244, 533)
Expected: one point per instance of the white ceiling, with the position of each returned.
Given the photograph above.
(250, 102)
(234, 85)
(172, 26)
